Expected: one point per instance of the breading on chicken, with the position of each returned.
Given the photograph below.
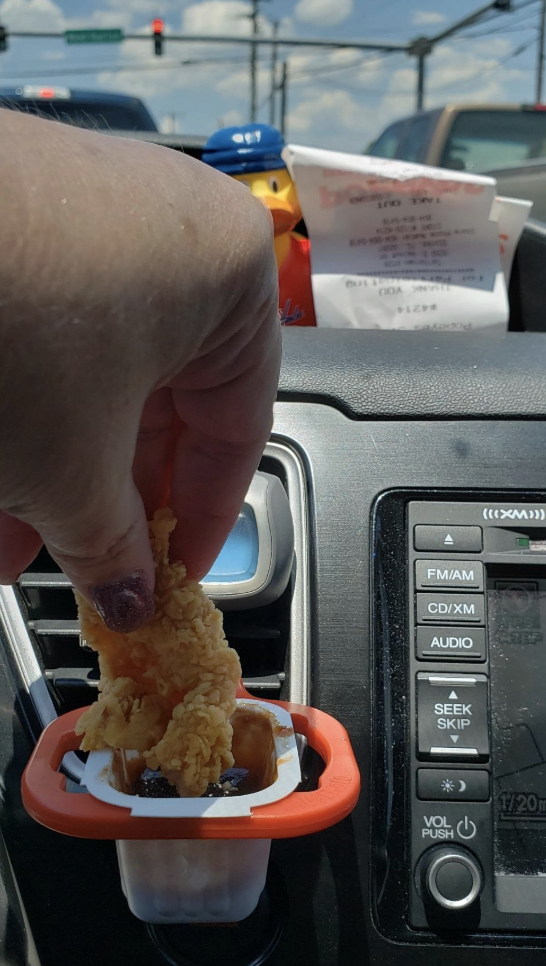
(168, 689)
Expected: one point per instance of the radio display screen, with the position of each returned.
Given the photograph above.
(517, 649)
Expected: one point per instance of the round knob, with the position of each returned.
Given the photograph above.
(453, 878)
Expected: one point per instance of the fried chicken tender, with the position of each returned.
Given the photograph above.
(168, 689)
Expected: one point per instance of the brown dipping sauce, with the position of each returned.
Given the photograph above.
(253, 750)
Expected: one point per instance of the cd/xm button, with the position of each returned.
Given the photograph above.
(450, 608)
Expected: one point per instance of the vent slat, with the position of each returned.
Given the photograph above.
(73, 675)
(245, 632)
(53, 581)
(266, 682)
(87, 676)
(61, 628)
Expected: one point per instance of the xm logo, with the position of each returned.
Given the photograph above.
(531, 513)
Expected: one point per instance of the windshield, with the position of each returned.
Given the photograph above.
(484, 140)
(333, 74)
(90, 114)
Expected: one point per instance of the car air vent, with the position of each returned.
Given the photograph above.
(40, 620)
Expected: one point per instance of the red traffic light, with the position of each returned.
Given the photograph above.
(157, 28)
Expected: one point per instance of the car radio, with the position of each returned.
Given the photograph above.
(463, 746)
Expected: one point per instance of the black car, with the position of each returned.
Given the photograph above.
(89, 109)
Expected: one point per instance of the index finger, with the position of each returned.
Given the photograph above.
(217, 451)
(210, 481)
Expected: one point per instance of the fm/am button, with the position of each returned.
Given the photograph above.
(449, 574)
(451, 643)
(450, 609)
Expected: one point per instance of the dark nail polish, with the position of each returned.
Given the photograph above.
(126, 604)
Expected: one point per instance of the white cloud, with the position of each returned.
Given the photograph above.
(427, 18)
(100, 18)
(337, 109)
(231, 119)
(156, 8)
(231, 17)
(32, 15)
(228, 17)
(236, 83)
(323, 12)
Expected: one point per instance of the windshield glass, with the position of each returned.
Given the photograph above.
(483, 140)
(333, 74)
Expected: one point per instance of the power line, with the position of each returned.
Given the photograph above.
(507, 28)
(120, 69)
(338, 68)
(364, 92)
(470, 80)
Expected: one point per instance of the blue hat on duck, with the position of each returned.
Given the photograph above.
(245, 149)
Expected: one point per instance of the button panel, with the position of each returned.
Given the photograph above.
(452, 716)
(451, 781)
(472, 566)
(448, 539)
(450, 643)
(449, 574)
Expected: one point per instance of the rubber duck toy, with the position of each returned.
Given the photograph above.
(252, 154)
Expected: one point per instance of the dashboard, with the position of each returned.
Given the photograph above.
(394, 442)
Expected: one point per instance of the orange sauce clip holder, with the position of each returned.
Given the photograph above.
(47, 800)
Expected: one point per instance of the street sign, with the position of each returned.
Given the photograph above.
(112, 36)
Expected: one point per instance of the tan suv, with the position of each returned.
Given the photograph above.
(478, 137)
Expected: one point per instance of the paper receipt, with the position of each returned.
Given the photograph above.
(396, 245)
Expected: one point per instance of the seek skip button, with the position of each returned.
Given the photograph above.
(452, 716)
(449, 574)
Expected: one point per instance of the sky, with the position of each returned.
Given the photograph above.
(339, 99)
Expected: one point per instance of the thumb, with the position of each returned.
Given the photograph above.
(107, 555)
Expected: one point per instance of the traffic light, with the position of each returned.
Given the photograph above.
(157, 27)
(3, 39)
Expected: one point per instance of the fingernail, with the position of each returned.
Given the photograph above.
(127, 604)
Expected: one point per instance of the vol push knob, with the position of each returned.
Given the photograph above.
(453, 878)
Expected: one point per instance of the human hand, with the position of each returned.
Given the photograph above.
(140, 350)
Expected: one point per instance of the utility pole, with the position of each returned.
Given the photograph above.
(284, 97)
(253, 58)
(274, 52)
(253, 50)
(421, 48)
(540, 62)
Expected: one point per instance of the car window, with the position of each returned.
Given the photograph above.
(88, 114)
(386, 146)
(483, 140)
(413, 146)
